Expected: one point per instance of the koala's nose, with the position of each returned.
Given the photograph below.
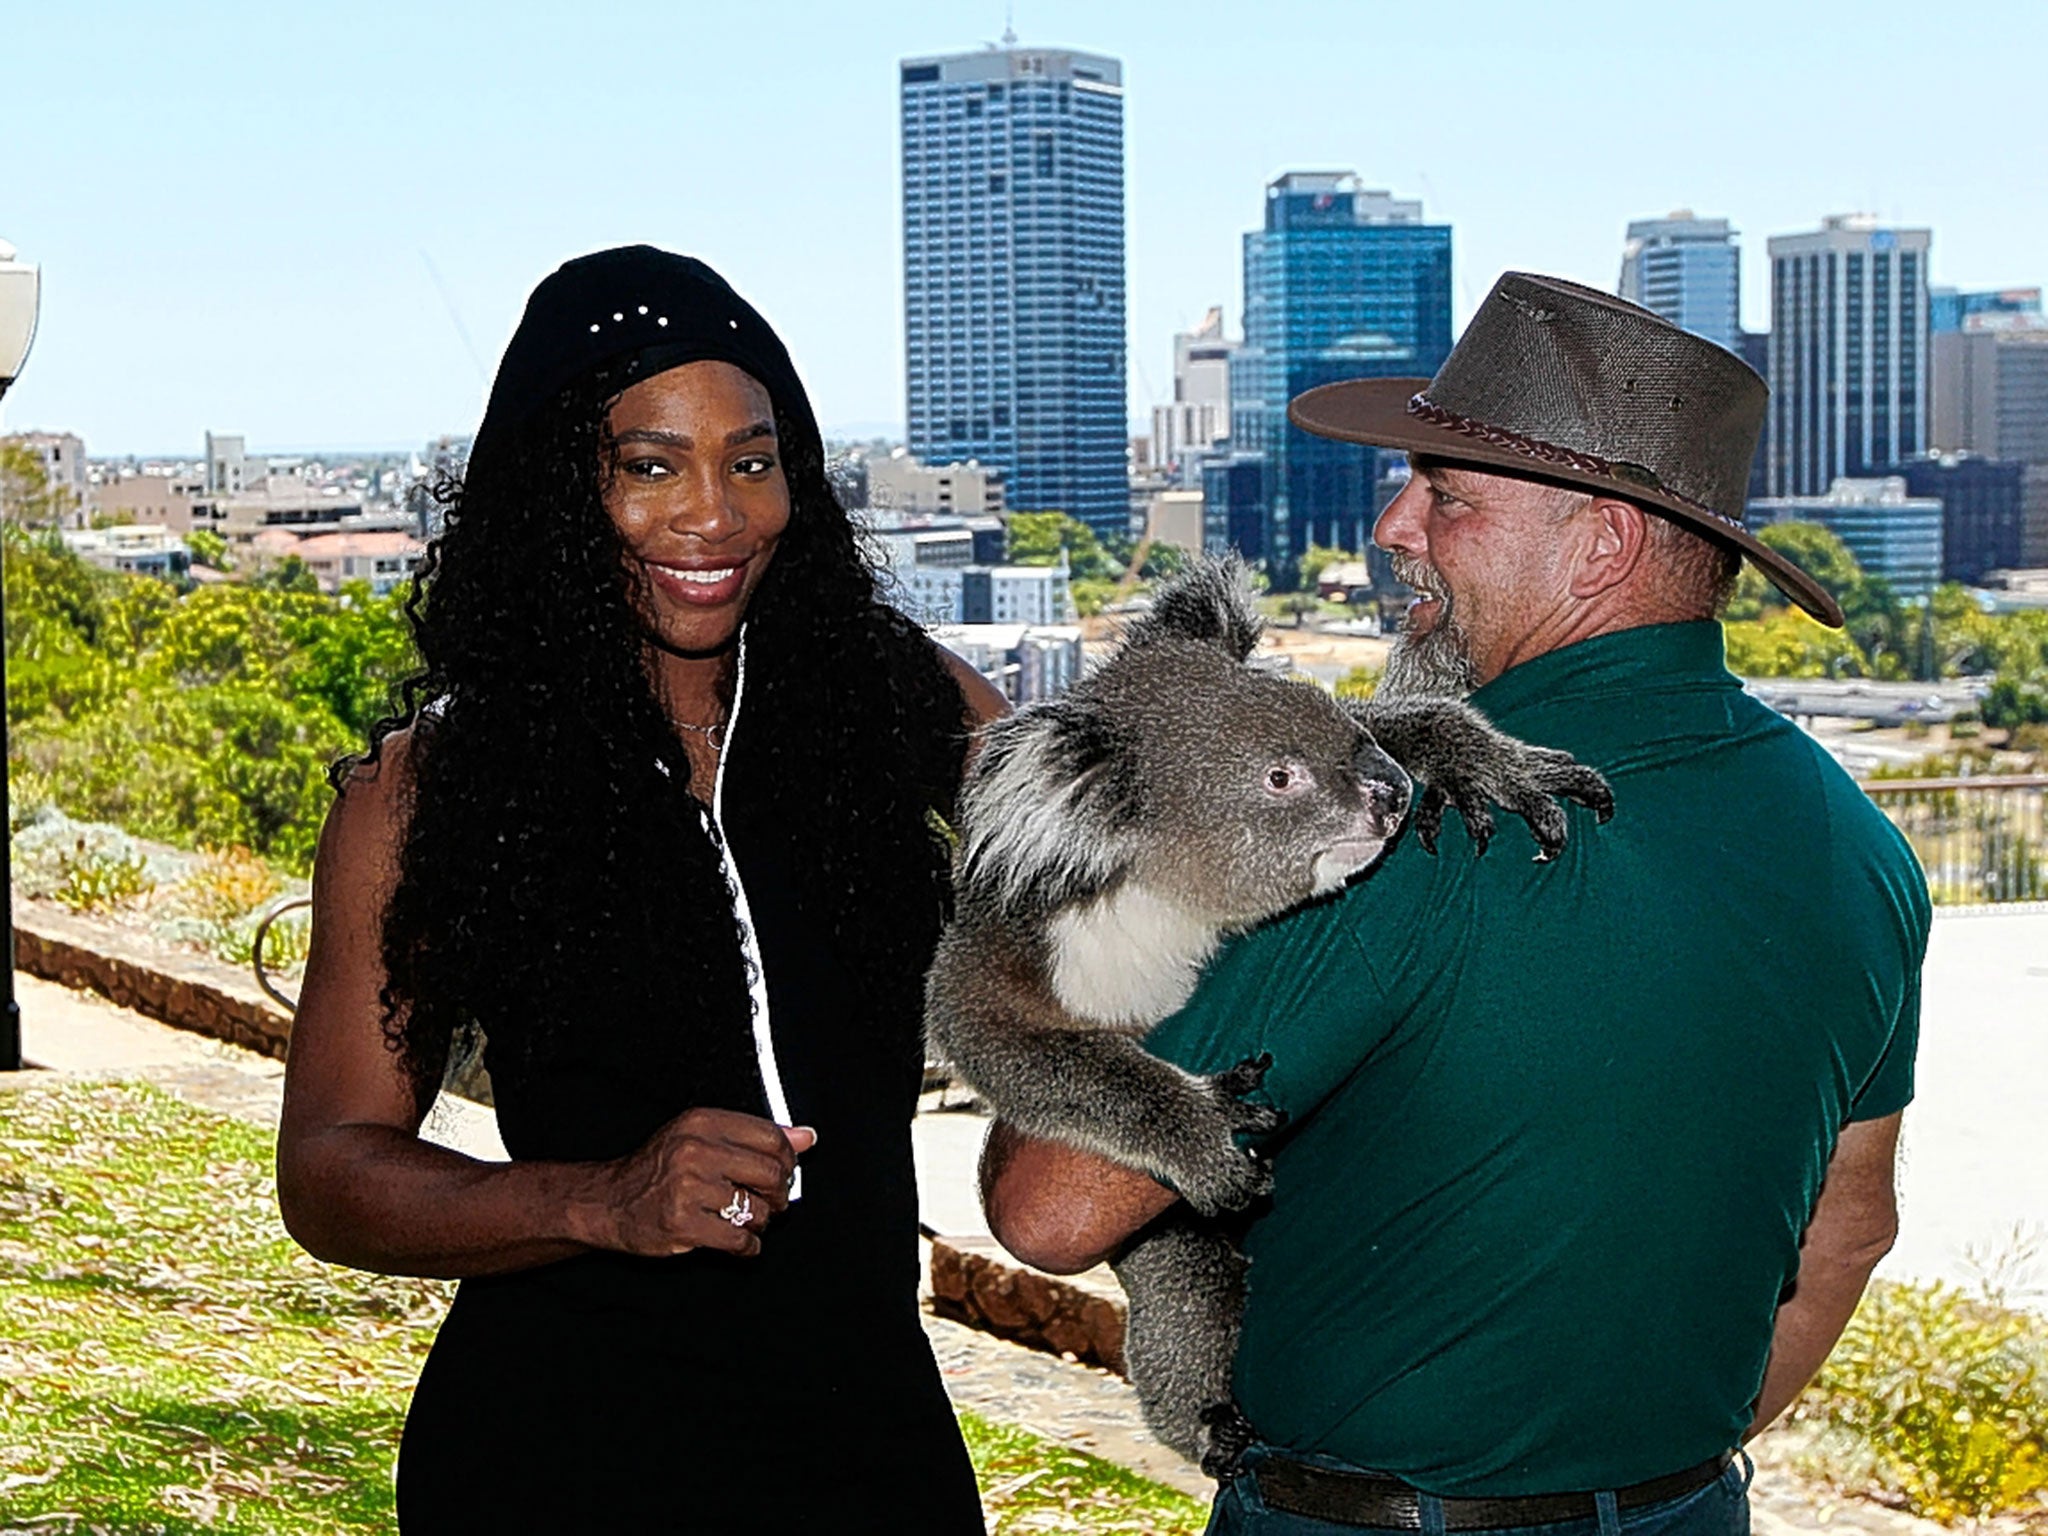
(1388, 800)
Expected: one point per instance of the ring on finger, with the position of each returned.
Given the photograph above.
(739, 1210)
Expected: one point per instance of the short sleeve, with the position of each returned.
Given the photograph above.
(1889, 1088)
(1300, 989)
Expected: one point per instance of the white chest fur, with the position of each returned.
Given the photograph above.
(1128, 959)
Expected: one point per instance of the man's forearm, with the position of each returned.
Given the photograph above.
(1808, 1326)
(1059, 1209)
(1852, 1227)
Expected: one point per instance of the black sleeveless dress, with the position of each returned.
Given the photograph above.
(792, 1391)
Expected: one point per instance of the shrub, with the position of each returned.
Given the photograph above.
(1938, 1396)
(224, 886)
(87, 866)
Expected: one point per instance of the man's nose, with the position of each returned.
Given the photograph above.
(1399, 528)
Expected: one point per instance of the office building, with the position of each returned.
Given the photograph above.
(1027, 662)
(1849, 355)
(1892, 533)
(1689, 270)
(1198, 420)
(1983, 504)
(1234, 505)
(1952, 309)
(902, 483)
(1013, 273)
(133, 549)
(1341, 283)
(229, 470)
(1991, 391)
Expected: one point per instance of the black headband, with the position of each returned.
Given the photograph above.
(626, 314)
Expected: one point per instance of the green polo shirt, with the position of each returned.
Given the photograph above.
(1555, 1129)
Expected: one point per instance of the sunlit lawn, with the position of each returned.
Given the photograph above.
(170, 1361)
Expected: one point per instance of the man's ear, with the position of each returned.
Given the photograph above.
(1616, 541)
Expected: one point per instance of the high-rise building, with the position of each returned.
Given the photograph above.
(1199, 417)
(1849, 355)
(1689, 270)
(1013, 273)
(1983, 503)
(1341, 283)
(1952, 309)
(1991, 392)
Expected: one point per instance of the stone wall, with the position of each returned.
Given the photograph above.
(1082, 1316)
(186, 991)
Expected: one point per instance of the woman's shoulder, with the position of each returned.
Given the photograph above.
(373, 797)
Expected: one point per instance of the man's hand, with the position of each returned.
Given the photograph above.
(1058, 1209)
(1853, 1225)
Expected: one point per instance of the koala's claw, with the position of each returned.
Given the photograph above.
(1230, 1436)
(1246, 1076)
(1471, 809)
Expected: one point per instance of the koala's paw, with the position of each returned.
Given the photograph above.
(1532, 782)
(1245, 1077)
(1228, 1434)
(1211, 1170)
(1522, 780)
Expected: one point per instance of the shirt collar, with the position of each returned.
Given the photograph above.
(1627, 661)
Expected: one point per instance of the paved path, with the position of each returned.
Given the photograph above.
(1976, 1139)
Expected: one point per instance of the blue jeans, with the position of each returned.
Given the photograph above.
(1721, 1508)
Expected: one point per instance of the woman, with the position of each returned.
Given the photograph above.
(659, 820)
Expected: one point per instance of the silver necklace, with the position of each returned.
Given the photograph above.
(715, 733)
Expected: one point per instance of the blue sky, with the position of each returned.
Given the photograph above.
(241, 210)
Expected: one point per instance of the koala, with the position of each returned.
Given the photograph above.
(1109, 840)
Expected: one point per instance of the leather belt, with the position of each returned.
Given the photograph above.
(1374, 1499)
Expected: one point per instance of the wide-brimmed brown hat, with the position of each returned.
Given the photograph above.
(1564, 383)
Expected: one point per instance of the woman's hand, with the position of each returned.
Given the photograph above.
(669, 1197)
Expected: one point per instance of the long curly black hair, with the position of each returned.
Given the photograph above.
(552, 879)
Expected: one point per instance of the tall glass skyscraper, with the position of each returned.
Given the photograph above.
(1689, 271)
(1849, 352)
(1341, 283)
(1013, 273)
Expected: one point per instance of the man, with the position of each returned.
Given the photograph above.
(1588, 1162)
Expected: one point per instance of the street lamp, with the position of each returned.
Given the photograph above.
(20, 299)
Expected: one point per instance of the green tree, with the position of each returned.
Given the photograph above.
(1786, 643)
(1036, 538)
(26, 495)
(291, 574)
(209, 549)
(1315, 560)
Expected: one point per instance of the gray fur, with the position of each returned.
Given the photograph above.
(1109, 840)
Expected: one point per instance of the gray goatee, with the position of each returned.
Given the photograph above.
(1437, 663)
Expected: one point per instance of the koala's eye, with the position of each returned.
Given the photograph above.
(1286, 779)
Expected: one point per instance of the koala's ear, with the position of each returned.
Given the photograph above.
(1048, 812)
(1211, 603)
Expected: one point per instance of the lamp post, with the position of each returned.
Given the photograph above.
(20, 299)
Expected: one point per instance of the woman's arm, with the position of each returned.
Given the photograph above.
(981, 699)
(357, 1186)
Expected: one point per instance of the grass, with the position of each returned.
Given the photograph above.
(172, 1363)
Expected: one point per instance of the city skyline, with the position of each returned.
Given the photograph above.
(329, 255)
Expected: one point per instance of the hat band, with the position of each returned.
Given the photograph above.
(1425, 409)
